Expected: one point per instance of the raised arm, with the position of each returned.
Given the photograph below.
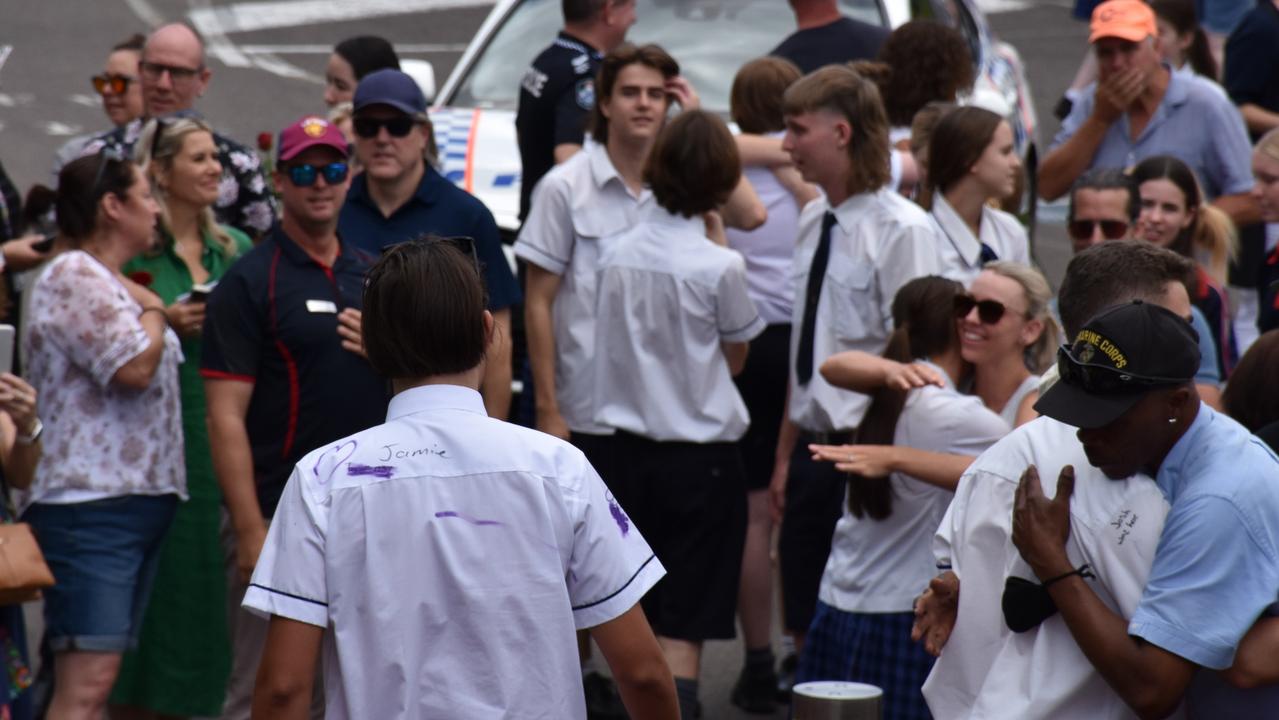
(865, 373)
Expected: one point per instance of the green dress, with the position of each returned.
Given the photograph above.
(184, 653)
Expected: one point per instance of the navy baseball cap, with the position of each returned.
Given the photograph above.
(1119, 356)
(390, 87)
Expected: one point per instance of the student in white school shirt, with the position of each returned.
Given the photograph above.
(679, 320)
(985, 670)
(443, 560)
(972, 161)
(856, 247)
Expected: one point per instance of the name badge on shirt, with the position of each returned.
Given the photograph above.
(321, 306)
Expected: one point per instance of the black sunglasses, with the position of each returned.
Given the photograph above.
(305, 175)
(368, 127)
(988, 311)
(1110, 229)
(117, 84)
(1104, 379)
(155, 71)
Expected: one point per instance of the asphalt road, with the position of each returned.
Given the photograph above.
(268, 60)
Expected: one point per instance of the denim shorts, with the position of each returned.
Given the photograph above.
(103, 555)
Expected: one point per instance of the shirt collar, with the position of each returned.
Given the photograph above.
(427, 190)
(657, 215)
(1170, 476)
(847, 212)
(956, 230)
(604, 172)
(298, 256)
(949, 384)
(566, 40)
(435, 397)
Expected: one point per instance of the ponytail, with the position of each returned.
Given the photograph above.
(873, 497)
(1214, 241)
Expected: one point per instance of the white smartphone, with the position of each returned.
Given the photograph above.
(7, 334)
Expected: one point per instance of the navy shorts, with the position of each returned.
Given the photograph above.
(103, 557)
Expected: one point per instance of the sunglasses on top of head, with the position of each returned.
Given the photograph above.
(1110, 229)
(306, 175)
(368, 127)
(114, 83)
(989, 312)
(1104, 379)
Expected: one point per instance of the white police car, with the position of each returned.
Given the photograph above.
(474, 112)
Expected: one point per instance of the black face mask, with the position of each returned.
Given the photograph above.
(1026, 604)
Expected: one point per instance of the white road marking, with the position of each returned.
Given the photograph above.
(250, 16)
(400, 48)
(993, 7)
(59, 129)
(86, 100)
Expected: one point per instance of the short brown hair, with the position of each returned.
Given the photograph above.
(959, 139)
(842, 91)
(694, 166)
(1113, 273)
(424, 310)
(649, 55)
(755, 101)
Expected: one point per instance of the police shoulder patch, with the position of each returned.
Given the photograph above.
(585, 92)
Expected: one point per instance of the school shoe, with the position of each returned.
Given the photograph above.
(755, 693)
(786, 677)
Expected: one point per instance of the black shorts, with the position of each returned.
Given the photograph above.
(814, 503)
(763, 387)
(687, 500)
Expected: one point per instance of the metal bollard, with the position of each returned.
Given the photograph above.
(835, 700)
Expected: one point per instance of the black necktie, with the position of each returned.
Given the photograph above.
(987, 254)
(808, 326)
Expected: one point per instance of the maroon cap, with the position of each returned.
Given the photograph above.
(307, 133)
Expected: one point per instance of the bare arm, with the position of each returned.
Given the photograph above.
(744, 210)
(287, 671)
(865, 373)
(1242, 208)
(564, 151)
(735, 353)
(934, 468)
(1150, 680)
(227, 403)
(636, 661)
(1255, 659)
(496, 386)
(759, 150)
(790, 178)
(1258, 119)
(19, 416)
(140, 369)
(787, 436)
(1060, 168)
(540, 288)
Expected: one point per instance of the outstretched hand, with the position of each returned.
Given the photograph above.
(871, 461)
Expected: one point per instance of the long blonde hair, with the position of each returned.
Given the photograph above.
(148, 149)
(1042, 353)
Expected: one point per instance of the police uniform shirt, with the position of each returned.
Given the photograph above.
(450, 556)
(670, 297)
(880, 241)
(557, 95)
(272, 322)
(577, 209)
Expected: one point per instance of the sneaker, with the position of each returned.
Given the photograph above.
(602, 699)
(755, 693)
(786, 677)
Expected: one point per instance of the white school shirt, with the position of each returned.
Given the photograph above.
(466, 551)
(986, 670)
(960, 251)
(770, 248)
(880, 241)
(880, 566)
(667, 298)
(575, 209)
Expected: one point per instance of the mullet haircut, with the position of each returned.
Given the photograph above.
(842, 91)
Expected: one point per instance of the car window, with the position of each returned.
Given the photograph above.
(955, 14)
(711, 39)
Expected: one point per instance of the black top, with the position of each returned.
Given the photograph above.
(272, 321)
(557, 95)
(1252, 60)
(841, 41)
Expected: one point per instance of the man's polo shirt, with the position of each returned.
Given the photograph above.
(1193, 123)
(438, 207)
(272, 321)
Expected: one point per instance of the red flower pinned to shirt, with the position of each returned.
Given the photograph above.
(265, 140)
(141, 277)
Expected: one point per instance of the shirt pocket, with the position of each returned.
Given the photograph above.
(851, 302)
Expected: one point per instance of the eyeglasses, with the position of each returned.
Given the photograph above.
(117, 84)
(305, 175)
(1111, 229)
(1104, 379)
(989, 312)
(398, 126)
(154, 71)
(107, 153)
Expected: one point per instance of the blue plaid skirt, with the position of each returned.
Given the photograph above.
(872, 648)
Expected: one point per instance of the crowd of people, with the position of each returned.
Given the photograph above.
(813, 349)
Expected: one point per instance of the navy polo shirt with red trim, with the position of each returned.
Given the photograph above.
(272, 321)
(438, 207)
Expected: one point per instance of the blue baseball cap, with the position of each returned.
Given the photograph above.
(390, 87)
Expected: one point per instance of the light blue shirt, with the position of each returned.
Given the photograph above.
(1209, 373)
(1194, 122)
(1216, 568)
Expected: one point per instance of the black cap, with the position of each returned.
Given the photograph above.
(1119, 356)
